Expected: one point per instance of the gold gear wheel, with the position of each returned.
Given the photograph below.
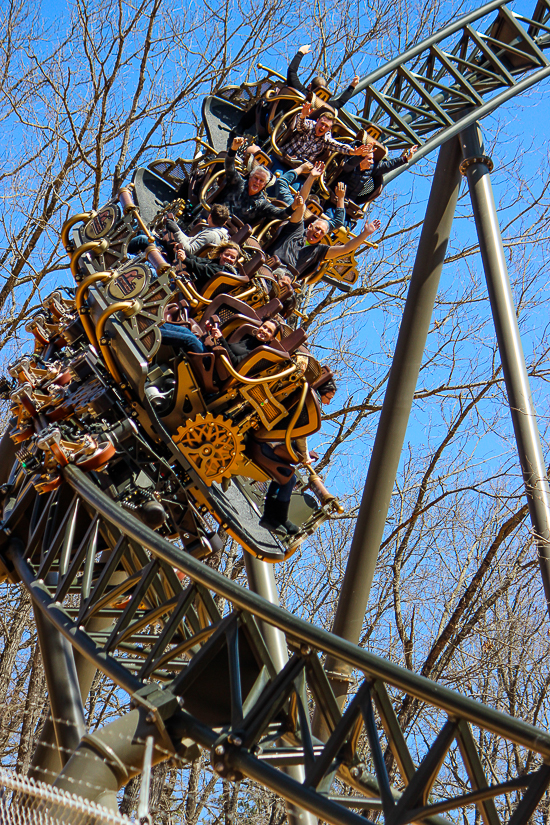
(212, 445)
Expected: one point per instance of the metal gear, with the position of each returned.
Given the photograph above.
(212, 445)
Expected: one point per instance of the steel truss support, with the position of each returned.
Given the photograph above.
(477, 168)
(396, 408)
(206, 679)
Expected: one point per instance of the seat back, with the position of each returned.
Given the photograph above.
(254, 263)
(231, 312)
(242, 234)
(223, 283)
(309, 421)
(270, 309)
(176, 313)
(202, 366)
(296, 339)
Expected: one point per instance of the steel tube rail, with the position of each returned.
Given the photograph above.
(509, 344)
(418, 686)
(64, 624)
(394, 417)
(477, 114)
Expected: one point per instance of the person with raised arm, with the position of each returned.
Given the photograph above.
(300, 247)
(245, 196)
(364, 177)
(316, 83)
(312, 139)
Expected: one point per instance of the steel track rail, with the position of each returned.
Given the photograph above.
(432, 92)
(439, 696)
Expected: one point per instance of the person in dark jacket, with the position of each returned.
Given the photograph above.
(255, 118)
(245, 197)
(180, 337)
(362, 176)
(223, 258)
(239, 350)
(318, 82)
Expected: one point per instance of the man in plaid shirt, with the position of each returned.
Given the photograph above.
(313, 138)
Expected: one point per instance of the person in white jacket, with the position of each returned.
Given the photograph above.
(215, 233)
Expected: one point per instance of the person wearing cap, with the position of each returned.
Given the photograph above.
(245, 197)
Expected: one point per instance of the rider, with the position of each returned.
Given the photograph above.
(318, 82)
(301, 248)
(277, 501)
(213, 234)
(246, 197)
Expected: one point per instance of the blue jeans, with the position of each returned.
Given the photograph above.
(139, 243)
(181, 337)
(282, 185)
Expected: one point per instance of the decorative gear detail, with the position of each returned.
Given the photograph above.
(212, 444)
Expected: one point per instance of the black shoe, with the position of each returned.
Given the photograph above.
(273, 526)
(275, 518)
(280, 512)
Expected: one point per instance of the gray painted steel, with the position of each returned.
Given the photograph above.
(396, 409)
(63, 688)
(521, 404)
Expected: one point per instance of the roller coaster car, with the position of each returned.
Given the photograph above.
(102, 392)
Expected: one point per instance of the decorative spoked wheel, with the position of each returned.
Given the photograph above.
(212, 444)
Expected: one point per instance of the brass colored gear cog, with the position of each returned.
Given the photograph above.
(212, 444)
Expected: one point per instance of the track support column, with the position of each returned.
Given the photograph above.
(63, 687)
(476, 167)
(396, 409)
(261, 580)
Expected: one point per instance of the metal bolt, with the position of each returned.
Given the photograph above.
(150, 718)
(356, 772)
(305, 650)
(235, 740)
(219, 750)
(219, 766)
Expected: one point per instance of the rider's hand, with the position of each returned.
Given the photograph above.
(171, 226)
(408, 153)
(318, 169)
(371, 227)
